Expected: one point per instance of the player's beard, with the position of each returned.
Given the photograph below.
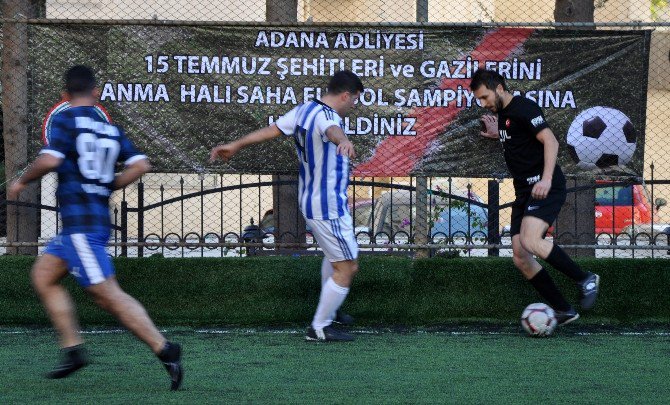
(498, 103)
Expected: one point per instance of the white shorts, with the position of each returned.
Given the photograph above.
(335, 237)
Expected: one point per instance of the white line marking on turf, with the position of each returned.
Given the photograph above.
(249, 331)
(83, 332)
(101, 332)
(234, 331)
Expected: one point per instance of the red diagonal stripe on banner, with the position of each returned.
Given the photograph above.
(397, 155)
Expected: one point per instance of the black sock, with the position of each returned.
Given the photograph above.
(559, 260)
(548, 290)
(168, 353)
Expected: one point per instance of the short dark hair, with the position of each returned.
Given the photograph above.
(343, 81)
(79, 80)
(489, 78)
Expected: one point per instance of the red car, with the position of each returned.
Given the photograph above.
(620, 206)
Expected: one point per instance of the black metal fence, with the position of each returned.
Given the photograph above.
(149, 219)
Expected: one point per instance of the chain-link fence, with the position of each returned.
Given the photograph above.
(182, 77)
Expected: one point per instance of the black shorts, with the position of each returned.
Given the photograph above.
(547, 209)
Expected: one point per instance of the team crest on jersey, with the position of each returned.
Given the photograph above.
(539, 120)
(508, 122)
(62, 106)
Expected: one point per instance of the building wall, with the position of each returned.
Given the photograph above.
(362, 11)
(659, 60)
(543, 10)
(219, 10)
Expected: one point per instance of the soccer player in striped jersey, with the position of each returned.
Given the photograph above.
(323, 151)
(84, 150)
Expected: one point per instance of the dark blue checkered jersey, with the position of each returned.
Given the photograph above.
(90, 149)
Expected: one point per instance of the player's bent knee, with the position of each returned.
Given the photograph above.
(519, 261)
(354, 268)
(522, 262)
(38, 279)
(41, 277)
(346, 269)
(110, 302)
(102, 302)
(529, 243)
(106, 295)
(101, 299)
(346, 266)
(47, 271)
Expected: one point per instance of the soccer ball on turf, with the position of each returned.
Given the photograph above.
(538, 319)
(601, 137)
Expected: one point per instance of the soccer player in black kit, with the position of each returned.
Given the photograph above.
(531, 149)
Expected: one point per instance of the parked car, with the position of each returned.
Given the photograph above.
(360, 209)
(391, 217)
(395, 213)
(619, 208)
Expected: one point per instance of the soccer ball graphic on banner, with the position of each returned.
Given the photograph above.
(538, 319)
(601, 137)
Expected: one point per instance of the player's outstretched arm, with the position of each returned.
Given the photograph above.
(131, 173)
(344, 145)
(44, 164)
(228, 150)
(489, 124)
(548, 139)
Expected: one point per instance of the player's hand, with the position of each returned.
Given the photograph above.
(489, 126)
(346, 148)
(225, 152)
(14, 190)
(541, 189)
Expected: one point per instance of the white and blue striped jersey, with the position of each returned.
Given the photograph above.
(324, 175)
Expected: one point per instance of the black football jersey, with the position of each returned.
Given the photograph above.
(518, 125)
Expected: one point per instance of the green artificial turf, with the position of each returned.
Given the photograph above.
(461, 365)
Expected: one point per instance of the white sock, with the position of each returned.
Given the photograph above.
(332, 296)
(326, 271)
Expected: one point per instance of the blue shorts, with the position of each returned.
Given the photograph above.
(86, 257)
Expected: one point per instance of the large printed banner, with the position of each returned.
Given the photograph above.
(178, 91)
